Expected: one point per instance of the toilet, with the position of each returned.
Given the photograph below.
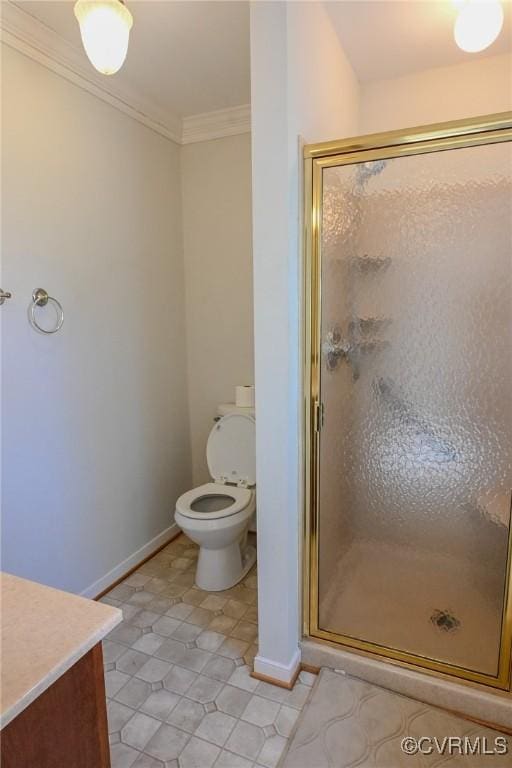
(217, 515)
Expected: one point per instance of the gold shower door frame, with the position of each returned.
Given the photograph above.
(432, 138)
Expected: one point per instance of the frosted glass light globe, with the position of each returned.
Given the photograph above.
(105, 29)
(478, 24)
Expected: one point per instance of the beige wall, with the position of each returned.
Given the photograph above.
(95, 422)
(478, 87)
(218, 272)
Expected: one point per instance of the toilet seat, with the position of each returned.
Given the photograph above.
(241, 498)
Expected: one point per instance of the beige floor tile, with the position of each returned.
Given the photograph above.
(185, 579)
(112, 651)
(160, 604)
(117, 715)
(274, 692)
(173, 590)
(216, 727)
(285, 720)
(241, 678)
(154, 670)
(194, 658)
(252, 614)
(148, 643)
(260, 711)
(114, 681)
(204, 689)
(198, 754)
(125, 633)
(123, 756)
(195, 596)
(130, 611)
(138, 730)
(297, 697)
(250, 655)
(144, 619)
(209, 641)
(134, 692)
(166, 625)
(131, 661)
(245, 630)
(146, 761)
(179, 679)
(219, 668)
(307, 678)
(187, 633)
(214, 603)
(136, 580)
(272, 751)
(160, 703)
(232, 700)
(122, 592)
(186, 715)
(141, 598)
(167, 743)
(233, 648)
(156, 584)
(230, 760)
(180, 611)
(170, 650)
(235, 609)
(222, 623)
(201, 617)
(246, 740)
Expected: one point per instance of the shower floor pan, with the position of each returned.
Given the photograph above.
(422, 603)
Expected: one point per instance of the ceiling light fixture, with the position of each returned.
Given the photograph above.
(105, 29)
(478, 24)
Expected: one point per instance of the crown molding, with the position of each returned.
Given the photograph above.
(215, 125)
(23, 32)
(26, 34)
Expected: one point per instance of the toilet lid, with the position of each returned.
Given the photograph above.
(231, 450)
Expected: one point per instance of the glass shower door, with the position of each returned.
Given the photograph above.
(414, 376)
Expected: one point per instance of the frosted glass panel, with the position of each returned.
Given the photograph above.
(415, 451)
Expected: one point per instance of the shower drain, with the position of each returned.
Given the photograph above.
(445, 620)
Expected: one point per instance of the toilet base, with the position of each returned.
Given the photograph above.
(220, 569)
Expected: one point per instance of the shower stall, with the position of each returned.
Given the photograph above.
(409, 396)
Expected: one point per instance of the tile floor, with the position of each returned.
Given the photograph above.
(179, 693)
(348, 722)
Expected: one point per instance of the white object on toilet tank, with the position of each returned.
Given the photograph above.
(244, 396)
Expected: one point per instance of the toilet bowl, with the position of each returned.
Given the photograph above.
(217, 515)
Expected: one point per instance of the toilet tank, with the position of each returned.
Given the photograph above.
(224, 408)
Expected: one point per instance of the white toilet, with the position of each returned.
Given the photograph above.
(217, 515)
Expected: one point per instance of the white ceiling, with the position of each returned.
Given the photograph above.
(390, 38)
(185, 57)
(188, 57)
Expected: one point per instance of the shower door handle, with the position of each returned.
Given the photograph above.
(4, 295)
(318, 416)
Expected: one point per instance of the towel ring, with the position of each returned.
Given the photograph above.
(40, 298)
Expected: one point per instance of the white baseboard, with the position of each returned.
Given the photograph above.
(116, 573)
(285, 673)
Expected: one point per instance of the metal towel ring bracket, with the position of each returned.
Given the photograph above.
(40, 298)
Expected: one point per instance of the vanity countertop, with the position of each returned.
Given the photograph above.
(44, 631)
